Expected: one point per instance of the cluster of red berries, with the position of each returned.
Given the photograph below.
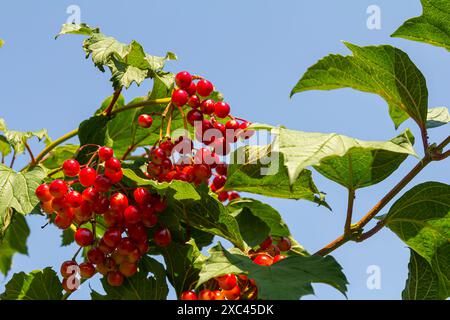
(240, 287)
(196, 166)
(102, 199)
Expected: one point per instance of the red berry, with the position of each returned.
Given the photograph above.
(193, 101)
(113, 164)
(263, 260)
(128, 268)
(223, 196)
(112, 237)
(206, 294)
(137, 232)
(202, 172)
(157, 156)
(114, 177)
(162, 237)
(153, 169)
(87, 270)
(218, 295)
(160, 205)
(232, 294)
(115, 278)
(194, 116)
(96, 255)
(71, 167)
(227, 282)
(126, 246)
(105, 153)
(142, 196)
(189, 295)
(101, 205)
(221, 109)
(131, 215)
(43, 193)
(167, 146)
(58, 188)
(207, 106)
(183, 79)
(284, 244)
(149, 219)
(180, 97)
(192, 89)
(87, 176)
(204, 88)
(47, 207)
(245, 134)
(102, 183)
(74, 199)
(266, 243)
(278, 257)
(232, 124)
(90, 195)
(84, 237)
(62, 222)
(222, 169)
(68, 268)
(145, 121)
(118, 202)
(233, 195)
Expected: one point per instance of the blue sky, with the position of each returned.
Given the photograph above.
(254, 52)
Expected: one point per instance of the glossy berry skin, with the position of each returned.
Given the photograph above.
(65, 270)
(87, 270)
(219, 181)
(180, 97)
(263, 259)
(221, 109)
(101, 205)
(145, 121)
(126, 247)
(284, 244)
(74, 199)
(118, 202)
(141, 196)
(113, 164)
(227, 282)
(102, 183)
(232, 124)
(278, 257)
(132, 215)
(87, 176)
(58, 188)
(114, 177)
(207, 106)
(218, 295)
(206, 295)
(62, 222)
(162, 237)
(90, 195)
(95, 255)
(112, 237)
(42, 192)
(194, 116)
(232, 294)
(193, 101)
(223, 196)
(192, 89)
(266, 243)
(105, 153)
(183, 79)
(157, 155)
(204, 88)
(115, 278)
(222, 169)
(189, 295)
(128, 268)
(71, 168)
(84, 237)
(233, 195)
(47, 207)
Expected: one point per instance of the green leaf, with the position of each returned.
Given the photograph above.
(437, 117)
(81, 29)
(256, 169)
(423, 282)
(93, 131)
(14, 241)
(383, 70)
(123, 75)
(369, 164)
(36, 285)
(5, 147)
(288, 279)
(183, 262)
(149, 283)
(18, 139)
(431, 27)
(421, 218)
(179, 189)
(17, 192)
(67, 237)
(57, 156)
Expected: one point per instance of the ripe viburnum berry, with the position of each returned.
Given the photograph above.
(221, 109)
(189, 295)
(43, 193)
(68, 268)
(284, 244)
(115, 278)
(118, 202)
(227, 282)
(71, 168)
(145, 121)
(87, 270)
(84, 237)
(105, 153)
(183, 79)
(204, 88)
(180, 97)
(87, 176)
(263, 259)
(162, 237)
(58, 188)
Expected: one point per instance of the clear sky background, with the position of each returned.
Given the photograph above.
(254, 51)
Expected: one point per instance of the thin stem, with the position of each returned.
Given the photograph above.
(424, 134)
(13, 159)
(366, 235)
(141, 104)
(30, 152)
(76, 253)
(184, 118)
(54, 144)
(116, 96)
(169, 122)
(339, 241)
(348, 220)
(163, 117)
(444, 143)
